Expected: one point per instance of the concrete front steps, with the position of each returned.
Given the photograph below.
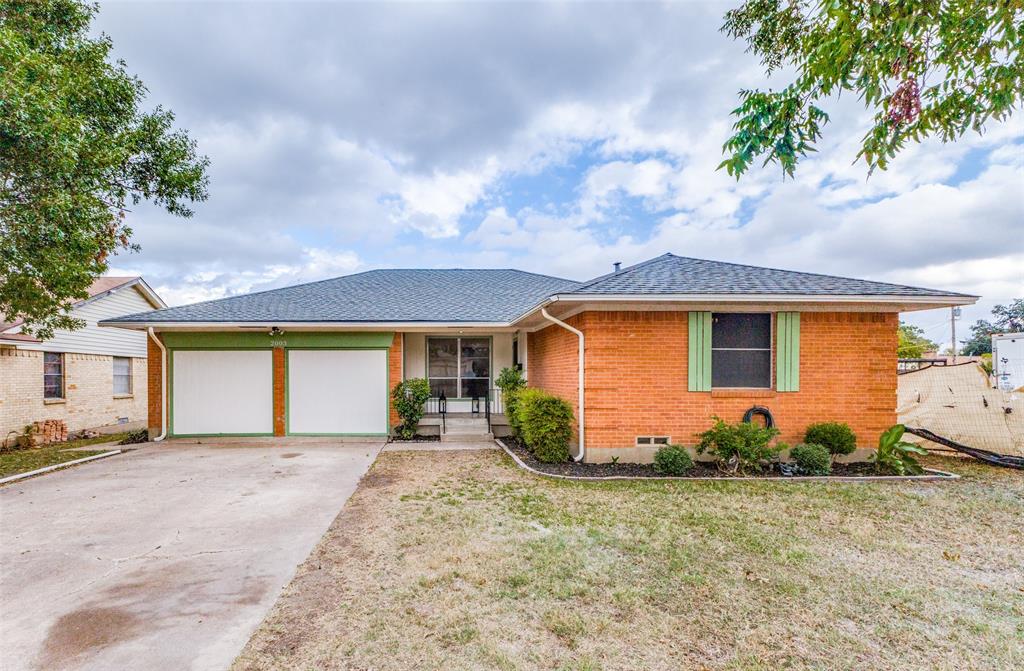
(466, 430)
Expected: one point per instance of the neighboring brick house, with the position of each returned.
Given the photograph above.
(666, 345)
(90, 377)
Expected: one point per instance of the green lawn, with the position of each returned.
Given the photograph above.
(458, 560)
(21, 461)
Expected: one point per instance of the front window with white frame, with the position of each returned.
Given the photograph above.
(122, 376)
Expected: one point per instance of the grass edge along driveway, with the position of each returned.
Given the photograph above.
(462, 561)
(15, 461)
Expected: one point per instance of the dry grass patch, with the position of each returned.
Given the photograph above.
(459, 560)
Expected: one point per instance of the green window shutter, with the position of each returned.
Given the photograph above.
(787, 348)
(698, 366)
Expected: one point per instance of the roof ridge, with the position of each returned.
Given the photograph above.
(666, 255)
(615, 273)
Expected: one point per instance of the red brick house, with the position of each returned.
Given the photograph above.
(664, 345)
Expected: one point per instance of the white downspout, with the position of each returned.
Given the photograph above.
(163, 386)
(579, 334)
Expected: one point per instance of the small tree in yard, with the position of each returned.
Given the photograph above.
(510, 381)
(408, 399)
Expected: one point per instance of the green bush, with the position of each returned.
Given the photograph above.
(837, 437)
(738, 446)
(511, 381)
(545, 423)
(408, 399)
(672, 460)
(893, 456)
(812, 459)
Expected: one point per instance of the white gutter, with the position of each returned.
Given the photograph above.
(766, 298)
(582, 424)
(163, 385)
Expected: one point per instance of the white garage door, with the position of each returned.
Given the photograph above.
(222, 391)
(337, 391)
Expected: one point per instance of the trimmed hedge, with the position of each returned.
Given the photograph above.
(837, 437)
(544, 423)
(672, 460)
(811, 459)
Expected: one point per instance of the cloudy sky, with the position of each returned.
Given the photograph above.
(554, 138)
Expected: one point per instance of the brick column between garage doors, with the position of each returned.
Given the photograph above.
(279, 400)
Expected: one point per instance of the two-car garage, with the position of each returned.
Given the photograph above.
(331, 384)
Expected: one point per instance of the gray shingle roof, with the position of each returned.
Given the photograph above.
(461, 296)
(379, 296)
(671, 274)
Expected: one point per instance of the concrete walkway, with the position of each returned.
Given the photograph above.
(164, 558)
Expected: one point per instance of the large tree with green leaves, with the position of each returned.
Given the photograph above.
(76, 151)
(926, 68)
(1006, 319)
(913, 343)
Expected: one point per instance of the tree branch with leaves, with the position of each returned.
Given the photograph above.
(926, 68)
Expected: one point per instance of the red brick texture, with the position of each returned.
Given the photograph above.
(154, 392)
(394, 375)
(636, 377)
(280, 427)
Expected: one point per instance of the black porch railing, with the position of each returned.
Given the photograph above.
(490, 403)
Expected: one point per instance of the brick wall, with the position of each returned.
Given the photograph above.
(394, 375)
(156, 398)
(280, 385)
(636, 382)
(89, 392)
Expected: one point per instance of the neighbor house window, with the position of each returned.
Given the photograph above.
(741, 350)
(53, 375)
(459, 367)
(122, 376)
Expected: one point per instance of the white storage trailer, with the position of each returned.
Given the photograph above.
(1008, 360)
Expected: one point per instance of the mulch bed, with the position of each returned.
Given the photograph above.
(415, 439)
(699, 470)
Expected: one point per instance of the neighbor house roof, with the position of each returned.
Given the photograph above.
(462, 296)
(99, 287)
(452, 295)
(671, 274)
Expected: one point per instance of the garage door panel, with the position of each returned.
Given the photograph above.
(337, 391)
(223, 392)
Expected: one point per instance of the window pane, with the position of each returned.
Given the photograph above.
(442, 357)
(122, 365)
(741, 330)
(741, 368)
(52, 388)
(449, 387)
(477, 387)
(122, 384)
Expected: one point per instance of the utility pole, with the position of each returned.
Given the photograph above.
(952, 322)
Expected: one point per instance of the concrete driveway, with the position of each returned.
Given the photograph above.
(164, 558)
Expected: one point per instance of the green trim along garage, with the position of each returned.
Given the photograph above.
(223, 384)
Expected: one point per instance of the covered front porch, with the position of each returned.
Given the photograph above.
(461, 366)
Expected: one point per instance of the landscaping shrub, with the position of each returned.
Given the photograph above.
(893, 456)
(739, 446)
(545, 422)
(408, 399)
(811, 459)
(511, 381)
(672, 460)
(837, 437)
